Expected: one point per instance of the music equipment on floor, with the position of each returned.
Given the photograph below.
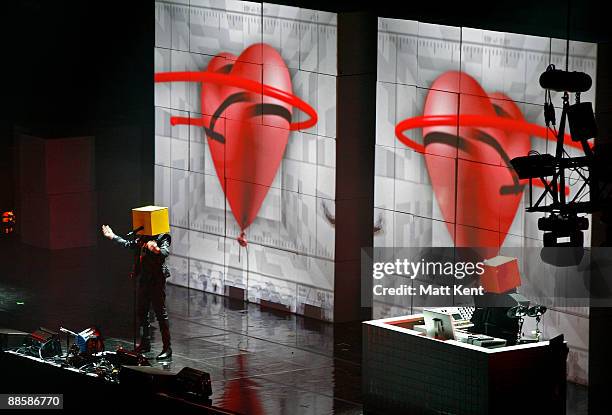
(11, 339)
(89, 340)
(43, 343)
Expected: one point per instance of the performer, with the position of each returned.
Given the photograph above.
(150, 253)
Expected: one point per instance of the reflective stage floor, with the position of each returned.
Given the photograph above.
(261, 361)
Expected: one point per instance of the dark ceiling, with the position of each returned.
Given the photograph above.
(589, 20)
(55, 50)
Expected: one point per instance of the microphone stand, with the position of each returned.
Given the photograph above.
(134, 300)
(133, 235)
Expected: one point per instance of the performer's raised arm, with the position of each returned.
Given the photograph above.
(108, 233)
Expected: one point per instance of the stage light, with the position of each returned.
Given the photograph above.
(560, 240)
(563, 239)
(565, 81)
(563, 230)
(8, 222)
(534, 166)
(582, 121)
(563, 224)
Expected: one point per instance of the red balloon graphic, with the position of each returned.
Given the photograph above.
(255, 141)
(247, 107)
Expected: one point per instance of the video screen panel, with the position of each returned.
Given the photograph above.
(237, 166)
(444, 183)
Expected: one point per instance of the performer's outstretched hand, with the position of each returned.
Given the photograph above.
(108, 232)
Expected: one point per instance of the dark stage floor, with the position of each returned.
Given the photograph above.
(260, 361)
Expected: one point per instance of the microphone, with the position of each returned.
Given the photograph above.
(138, 229)
(563, 81)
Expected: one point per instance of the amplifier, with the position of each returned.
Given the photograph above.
(11, 339)
(146, 380)
(188, 383)
(193, 382)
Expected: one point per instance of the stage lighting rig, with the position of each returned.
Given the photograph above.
(563, 225)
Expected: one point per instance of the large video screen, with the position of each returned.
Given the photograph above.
(441, 182)
(247, 172)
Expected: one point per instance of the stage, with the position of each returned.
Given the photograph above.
(260, 361)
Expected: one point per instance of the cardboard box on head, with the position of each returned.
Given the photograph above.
(153, 219)
(501, 274)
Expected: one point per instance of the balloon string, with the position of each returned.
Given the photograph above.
(242, 242)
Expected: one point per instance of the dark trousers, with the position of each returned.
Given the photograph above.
(152, 292)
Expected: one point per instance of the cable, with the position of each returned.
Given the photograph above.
(549, 108)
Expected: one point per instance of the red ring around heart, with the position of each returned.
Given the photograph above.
(471, 120)
(238, 82)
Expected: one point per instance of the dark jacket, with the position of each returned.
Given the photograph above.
(146, 263)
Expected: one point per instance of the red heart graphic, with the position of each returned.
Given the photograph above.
(248, 132)
(488, 192)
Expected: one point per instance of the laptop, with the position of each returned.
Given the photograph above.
(439, 323)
